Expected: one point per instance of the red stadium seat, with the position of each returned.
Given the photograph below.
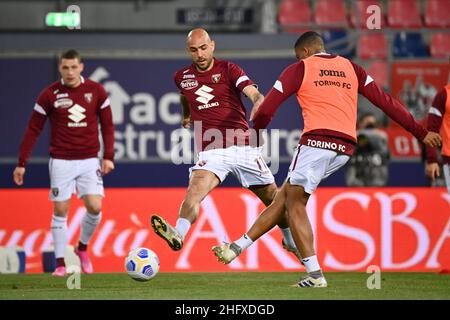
(440, 45)
(378, 70)
(403, 14)
(437, 13)
(372, 45)
(331, 13)
(292, 13)
(359, 10)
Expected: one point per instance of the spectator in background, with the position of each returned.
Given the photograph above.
(369, 164)
(417, 97)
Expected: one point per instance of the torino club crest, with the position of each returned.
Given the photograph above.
(216, 77)
(88, 97)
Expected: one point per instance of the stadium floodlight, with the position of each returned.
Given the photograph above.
(62, 19)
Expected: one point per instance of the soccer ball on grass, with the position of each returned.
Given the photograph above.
(142, 264)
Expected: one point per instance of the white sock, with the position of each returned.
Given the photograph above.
(183, 225)
(59, 233)
(287, 237)
(311, 264)
(244, 242)
(88, 225)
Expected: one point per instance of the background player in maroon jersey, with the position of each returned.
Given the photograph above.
(74, 105)
(210, 92)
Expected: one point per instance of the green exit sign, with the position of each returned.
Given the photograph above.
(63, 19)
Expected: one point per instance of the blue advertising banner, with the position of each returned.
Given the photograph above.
(21, 81)
(144, 100)
(146, 113)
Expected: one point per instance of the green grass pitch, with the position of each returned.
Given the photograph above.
(225, 286)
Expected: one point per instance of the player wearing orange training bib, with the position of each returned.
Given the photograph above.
(326, 87)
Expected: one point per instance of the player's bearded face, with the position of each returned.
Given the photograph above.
(70, 70)
(202, 55)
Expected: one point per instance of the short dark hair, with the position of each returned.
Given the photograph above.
(70, 54)
(308, 38)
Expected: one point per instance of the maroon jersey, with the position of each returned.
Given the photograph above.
(289, 83)
(214, 98)
(74, 114)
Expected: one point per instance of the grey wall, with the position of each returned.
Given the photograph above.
(128, 15)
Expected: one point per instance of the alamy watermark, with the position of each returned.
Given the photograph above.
(76, 13)
(251, 145)
(373, 21)
(374, 280)
(74, 280)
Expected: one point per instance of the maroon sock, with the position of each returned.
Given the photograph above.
(82, 246)
(60, 262)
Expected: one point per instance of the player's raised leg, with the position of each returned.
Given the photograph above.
(265, 221)
(271, 216)
(59, 234)
(201, 183)
(89, 223)
(296, 200)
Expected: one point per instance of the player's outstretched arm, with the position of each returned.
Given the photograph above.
(18, 175)
(434, 123)
(393, 108)
(255, 96)
(107, 129)
(186, 122)
(432, 139)
(287, 84)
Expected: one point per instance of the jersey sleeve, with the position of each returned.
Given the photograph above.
(387, 103)
(106, 123)
(42, 108)
(176, 81)
(434, 121)
(238, 77)
(287, 84)
(43, 104)
(103, 100)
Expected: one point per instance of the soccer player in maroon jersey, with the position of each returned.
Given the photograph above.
(74, 105)
(210, 94)
(326, 87)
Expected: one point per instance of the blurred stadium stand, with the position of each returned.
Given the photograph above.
(436, 14)
(330, 13)
(410, 44)
(294, 12)
(373, 46)
(252, 29)
(359, 14)
(403, 14)
(440, 45)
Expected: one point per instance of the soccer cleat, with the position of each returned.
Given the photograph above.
(163, 229)
(310, 282)
(86, 265)
(292, 250)
(227, 252)
(59, 272)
